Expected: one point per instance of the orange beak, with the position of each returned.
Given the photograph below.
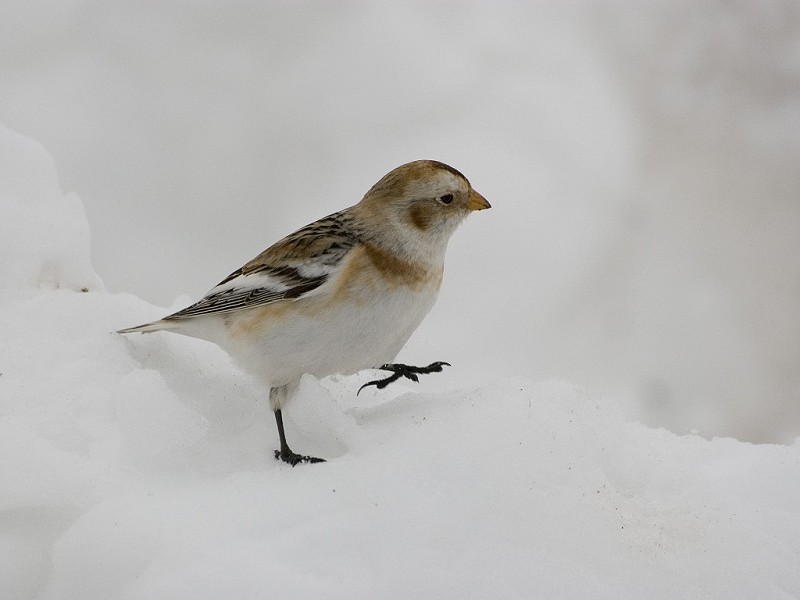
(477, 202)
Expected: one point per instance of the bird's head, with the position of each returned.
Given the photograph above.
(421, 203)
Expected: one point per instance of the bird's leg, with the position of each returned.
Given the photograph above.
(285, 453)
(277, 396)
(407, 371)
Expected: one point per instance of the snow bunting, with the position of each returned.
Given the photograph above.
(341, 294)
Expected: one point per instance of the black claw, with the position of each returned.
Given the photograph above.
(294, 459)
(407, 371)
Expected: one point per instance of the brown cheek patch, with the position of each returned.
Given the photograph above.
(422, 216)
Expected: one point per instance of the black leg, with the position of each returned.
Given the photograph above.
(406, 371)
(285, 454)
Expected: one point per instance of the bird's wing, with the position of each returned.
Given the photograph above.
(291, 269)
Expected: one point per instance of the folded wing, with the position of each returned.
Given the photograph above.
(291, 269)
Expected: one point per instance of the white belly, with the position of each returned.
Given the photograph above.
(280, 344)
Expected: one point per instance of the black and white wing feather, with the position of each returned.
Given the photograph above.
(291, 269)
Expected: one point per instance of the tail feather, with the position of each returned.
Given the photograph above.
(161, 325)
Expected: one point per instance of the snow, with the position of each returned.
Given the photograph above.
(44, 235)
(141, 467)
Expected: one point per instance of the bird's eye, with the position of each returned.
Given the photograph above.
(446, 199)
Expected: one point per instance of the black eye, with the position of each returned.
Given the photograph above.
(446, 199)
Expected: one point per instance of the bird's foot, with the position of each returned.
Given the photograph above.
(407, 371)
(293, 458)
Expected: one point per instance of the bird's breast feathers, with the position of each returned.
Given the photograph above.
(370, 269)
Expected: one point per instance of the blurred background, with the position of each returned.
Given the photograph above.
(642, 159)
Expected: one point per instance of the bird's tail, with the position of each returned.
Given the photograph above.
(160, 325)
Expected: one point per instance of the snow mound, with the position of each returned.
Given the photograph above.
(141, 467)
(44, 234)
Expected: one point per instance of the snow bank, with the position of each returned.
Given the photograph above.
(44, 234)
(142, 467)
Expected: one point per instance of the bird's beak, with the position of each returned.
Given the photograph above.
(477, 202)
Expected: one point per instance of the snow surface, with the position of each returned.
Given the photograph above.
(141, 467)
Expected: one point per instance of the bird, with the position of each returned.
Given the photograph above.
(341, 294)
